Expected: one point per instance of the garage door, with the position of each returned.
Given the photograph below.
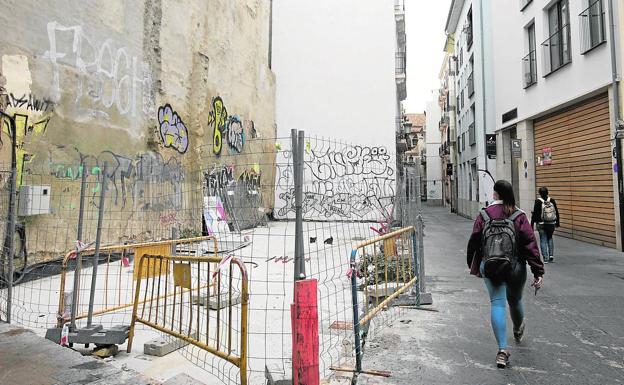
(580, 175)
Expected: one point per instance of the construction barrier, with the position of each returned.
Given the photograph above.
(117, 292)
(173, 296)
(382, 268)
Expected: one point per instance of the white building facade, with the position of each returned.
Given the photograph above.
(553, 77)
(434, 178)
(341, 69)
(469, 27)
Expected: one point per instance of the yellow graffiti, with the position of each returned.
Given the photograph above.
(217, 119)
(23, 130)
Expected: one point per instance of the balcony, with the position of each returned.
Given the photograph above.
(592, 25)
(399, 71)
(529, 69)
(470, 84)
(557, 50)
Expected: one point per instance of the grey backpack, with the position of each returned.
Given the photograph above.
(549, 214)
(499, 245)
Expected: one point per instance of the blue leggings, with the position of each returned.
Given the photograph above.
(512, 293)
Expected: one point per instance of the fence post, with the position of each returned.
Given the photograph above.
(74, 304)
(298, 151)
(356, 315)
(96, 256)
(424, 297)
(11, 220)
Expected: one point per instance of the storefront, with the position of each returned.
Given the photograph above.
(573, 152)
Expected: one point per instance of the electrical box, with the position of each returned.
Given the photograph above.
(34, 200)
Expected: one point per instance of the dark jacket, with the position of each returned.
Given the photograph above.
(527, 246)
(536, 216)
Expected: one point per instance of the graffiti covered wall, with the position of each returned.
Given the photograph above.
(108, 82)
(341, 182)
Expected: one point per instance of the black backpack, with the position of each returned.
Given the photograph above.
(499, 246)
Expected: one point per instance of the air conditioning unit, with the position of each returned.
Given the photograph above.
(34, 200)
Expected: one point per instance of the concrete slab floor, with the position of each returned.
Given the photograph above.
(26, 358)
(574, 331)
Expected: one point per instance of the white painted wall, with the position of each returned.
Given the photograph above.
(334, 63)
(586, 73)
(433, 141)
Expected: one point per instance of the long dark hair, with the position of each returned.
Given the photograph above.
(505, 192)
(543, 192)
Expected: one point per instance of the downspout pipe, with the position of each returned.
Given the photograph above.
(617, 114)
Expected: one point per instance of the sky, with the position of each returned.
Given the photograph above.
(424, 26)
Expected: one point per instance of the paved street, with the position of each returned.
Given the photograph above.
(574, 326)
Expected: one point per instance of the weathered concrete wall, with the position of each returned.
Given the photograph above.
(145, 86)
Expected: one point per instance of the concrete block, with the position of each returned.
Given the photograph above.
(215, 304)
(275, 375)
(160, 347)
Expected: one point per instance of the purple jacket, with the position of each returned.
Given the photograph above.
(527, 246)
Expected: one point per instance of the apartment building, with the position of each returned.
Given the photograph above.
(555, 115)
(469, 28)
(448, 131)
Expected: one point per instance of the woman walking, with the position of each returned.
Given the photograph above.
(501, 244)
(546, 215)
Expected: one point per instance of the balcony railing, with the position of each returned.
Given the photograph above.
(529, 69)
(592, 25)
(400, 63)
(557, 50)
(399, 5)
(470, 85)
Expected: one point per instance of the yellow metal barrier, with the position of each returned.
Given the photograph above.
(178, 301)
(118, 291)
(386, 268)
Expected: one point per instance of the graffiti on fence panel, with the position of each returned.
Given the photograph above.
(172, 130)
(350, 183)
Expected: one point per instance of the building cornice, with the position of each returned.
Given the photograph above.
(453, 16)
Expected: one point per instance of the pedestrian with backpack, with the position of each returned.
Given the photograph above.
(501, 244)
(546, 216)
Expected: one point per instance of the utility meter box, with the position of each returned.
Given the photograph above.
(34, 200)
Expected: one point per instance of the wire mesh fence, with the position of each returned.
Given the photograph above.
(245, 199)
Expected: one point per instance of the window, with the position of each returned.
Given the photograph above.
(461, 100)
(463, 141)
(529, 62)
(468, 29)
(471, 78)
(592, 26)
(557, 46)
(472, 137)
(524, 3)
